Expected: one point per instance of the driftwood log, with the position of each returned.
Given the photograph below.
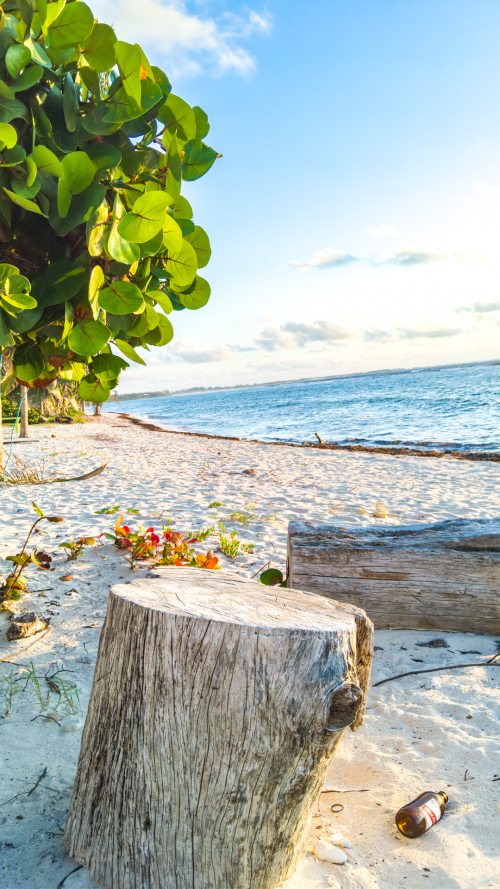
(444, 576)
(216, 708)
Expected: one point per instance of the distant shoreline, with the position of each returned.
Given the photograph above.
(390, 451)
(166, 393)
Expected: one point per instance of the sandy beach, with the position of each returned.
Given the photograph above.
(434, 731)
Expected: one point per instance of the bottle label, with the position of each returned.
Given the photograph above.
(431, 811)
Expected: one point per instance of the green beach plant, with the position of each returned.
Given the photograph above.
(97, 245)
(14, 585)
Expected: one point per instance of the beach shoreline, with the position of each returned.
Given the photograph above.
(481, 456)
(436, 731)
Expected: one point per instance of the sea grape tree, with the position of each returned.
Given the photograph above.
(97, 244)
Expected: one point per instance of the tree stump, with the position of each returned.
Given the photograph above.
(216, 709)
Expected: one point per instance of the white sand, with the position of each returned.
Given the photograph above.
(416, 734)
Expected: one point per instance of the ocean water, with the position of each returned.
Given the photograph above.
(448, 408)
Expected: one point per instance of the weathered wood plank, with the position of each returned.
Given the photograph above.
(444, 576)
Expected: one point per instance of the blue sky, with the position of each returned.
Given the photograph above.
(355, 214)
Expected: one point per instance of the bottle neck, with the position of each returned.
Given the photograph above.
(443, 795)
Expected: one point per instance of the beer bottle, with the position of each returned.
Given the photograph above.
(416, 817)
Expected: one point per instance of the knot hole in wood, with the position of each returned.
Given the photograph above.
(344, 705)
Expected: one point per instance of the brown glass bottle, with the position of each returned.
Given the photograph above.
(416, 817)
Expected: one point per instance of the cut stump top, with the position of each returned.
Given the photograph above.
(218, 596)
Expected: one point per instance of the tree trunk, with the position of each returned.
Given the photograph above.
(24, 412)
(216, 709)
(97, 410)
(2, 452)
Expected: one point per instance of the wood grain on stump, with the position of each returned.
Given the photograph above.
(216, 709)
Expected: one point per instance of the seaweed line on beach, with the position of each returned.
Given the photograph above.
(479, 456)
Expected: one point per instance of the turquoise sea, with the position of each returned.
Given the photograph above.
(446, 408)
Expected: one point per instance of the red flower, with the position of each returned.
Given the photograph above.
(126, 528)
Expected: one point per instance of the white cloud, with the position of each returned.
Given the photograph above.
(411, 333)
(184, 350)
(331, 258)
(485, 307)
(181, 41)
(294, 335)
(327, 258)
(382, 230)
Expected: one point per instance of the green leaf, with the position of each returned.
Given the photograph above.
(271, 577)
(121, 297)
(182, 265)
(177, 117)
(27, 79)
(46, 161)
(8, 136)
(69, 314)
(17, 301)
(162, 81)
(98, 49)
(182, 208)
(82, 207)
(97, 230)
(149, 248)
(28, 363)
(120, 322)
(117, 247)
(198, 158)
(12, 108)
(139, 161)
(91, 389)
(25, 191)
(37, 509)
(161, 335)
(95, 283)
(199, 240)
(72, 26)
(90, 78)
(162, 299)
(108, 366)
(147, 217)
(129, 351)
(172, 181)
(88, 337)
(103, 155)
(25, 320)
(70, 104)
(13, 156)
(60, 282)
(6, 338)
(106, 116)
(197, 295)
(76, 371)
(128, 58)
(172, 234)
(38, 54)
(202, 124)
(30, 165)
(16, 58)
(77, 174)
(145, 322)
(187, 226)
(22, 202)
